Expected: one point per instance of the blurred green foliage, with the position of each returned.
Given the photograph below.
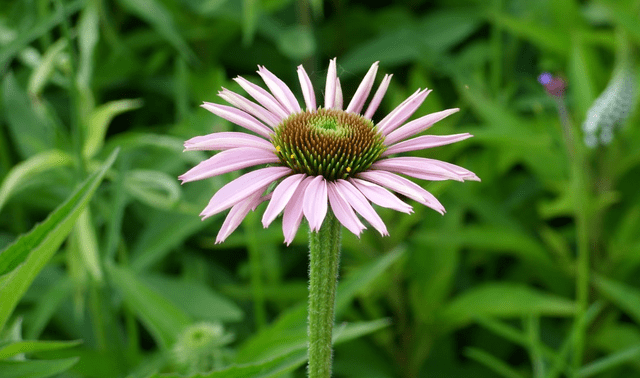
(534, 272)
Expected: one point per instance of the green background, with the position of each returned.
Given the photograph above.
(106, 270)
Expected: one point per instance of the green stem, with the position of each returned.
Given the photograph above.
(324, 258)
(580, 189)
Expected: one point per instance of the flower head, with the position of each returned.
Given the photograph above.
(320, 157)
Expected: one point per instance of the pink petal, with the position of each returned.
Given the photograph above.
(238, 117)
(293, 211)
(402, 112)
(281, 196)
(357, 102)
(314, 204)
(229, 161)
(403, 186)
(243, 187)
(307, 88)
(417, 126)
(338, 103)
(343, 211)
(330, 88)
(226, 140)
(263, 97)
(250, 107)
(424, 142)
(377, 97)
(416, 167)
(280, 90)
(463, 173)
(358, 201)
(380, 196)
(236, 215)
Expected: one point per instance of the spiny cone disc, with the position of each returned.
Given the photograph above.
(328, 142)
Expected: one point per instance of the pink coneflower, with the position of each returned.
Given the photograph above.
(321, 157)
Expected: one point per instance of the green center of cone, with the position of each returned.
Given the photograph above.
(331, 143)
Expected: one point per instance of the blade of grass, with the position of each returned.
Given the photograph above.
(493, 363)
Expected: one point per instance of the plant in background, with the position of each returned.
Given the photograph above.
(200, 348)
(327, 163)
(614, 104)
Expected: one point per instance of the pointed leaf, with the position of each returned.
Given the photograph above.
(24, 259)
(503, 300)
(160, 316)
(28, 346)
(35, 369)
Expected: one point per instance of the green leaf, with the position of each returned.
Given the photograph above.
(14, 348)
(160, 316)
(40, 76)
(88, 35)
(154, 188)
(161, 19)
(196, 299)
(265, 369)
(492, 362)
(24, 171)
(625, 297)
(492, 239)
(87, 242)
(24, 259)
(163, 233)
(609, 362)
(35, 369)
(297, 42)
(555, 40)
(290, 328)
(31, 132)
(250, 14)
(9, 51)
(99, 121)
(503, 300)
(433, 35)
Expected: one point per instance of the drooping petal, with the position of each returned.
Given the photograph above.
(229, 161)
(424, 142)
(330, 87)
(380, 196)
(281, 196)
(238, 117)
(237, 214)
(307, 88)
(250, 107)
(338, 103)
(417, 126)
(226, 140)
(293, 211)
(377, 97)
(358, 99)
(280, 90)
(314, 204)
(263, 97)
(360, 204)
(243, 187)
(416, 167)
(343, 211)
(463, 173)
(402, 112)
(403, 186)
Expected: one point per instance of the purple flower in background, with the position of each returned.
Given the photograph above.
(555, 86)
(322, 156)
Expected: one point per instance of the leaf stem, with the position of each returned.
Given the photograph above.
(324, 259)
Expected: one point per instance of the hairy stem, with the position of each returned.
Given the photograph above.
(324, 258)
